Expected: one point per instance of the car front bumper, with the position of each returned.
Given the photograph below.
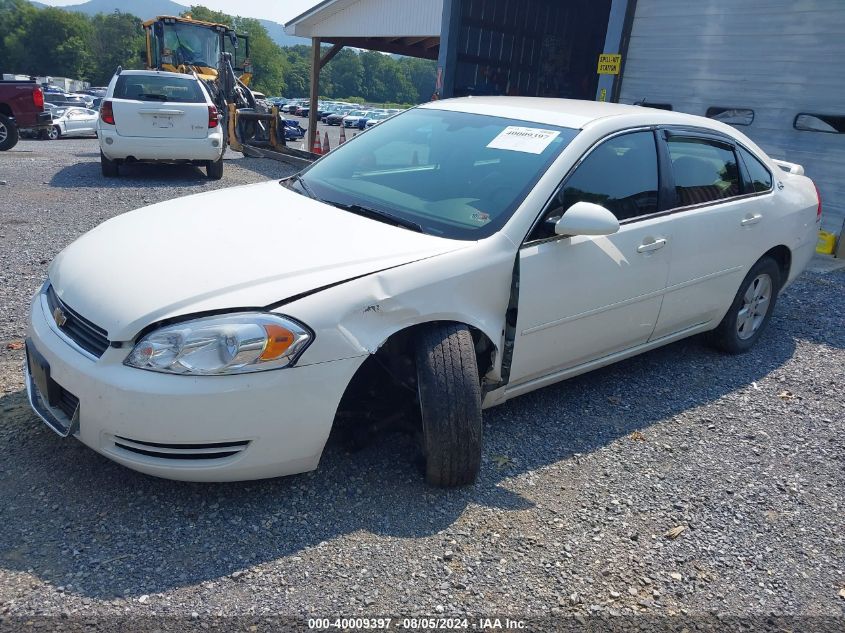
(116, 147)
(191, 428)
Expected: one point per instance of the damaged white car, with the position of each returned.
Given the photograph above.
(455, 256)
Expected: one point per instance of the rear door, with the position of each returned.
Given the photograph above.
(719, 225)
(160, 106)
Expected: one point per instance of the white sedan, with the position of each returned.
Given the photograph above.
(74, 122)
(221, 336)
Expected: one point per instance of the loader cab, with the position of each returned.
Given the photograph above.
(177, 44)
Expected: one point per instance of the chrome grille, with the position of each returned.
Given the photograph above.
(215, 450)
(92, 338)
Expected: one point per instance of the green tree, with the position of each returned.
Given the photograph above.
(15, 16)
(53, 42)
(345, 72)
(116, 39)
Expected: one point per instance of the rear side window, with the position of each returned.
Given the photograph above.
(158, 88)
(620, 175)
(830, 123)
(704, 171)
(732, 116)
(761, 177)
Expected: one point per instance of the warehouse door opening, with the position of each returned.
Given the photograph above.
(533, 48)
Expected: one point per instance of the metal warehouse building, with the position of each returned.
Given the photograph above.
(773, 68)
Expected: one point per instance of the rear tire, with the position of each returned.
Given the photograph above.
(750, 311)
(450, 405)
(109, 167)
(214, 169)
(9, 134)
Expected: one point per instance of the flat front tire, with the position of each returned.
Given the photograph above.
(751, 309)
(450, 405)
(109, 167)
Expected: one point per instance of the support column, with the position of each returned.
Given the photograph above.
(615, 42)
(315, 91)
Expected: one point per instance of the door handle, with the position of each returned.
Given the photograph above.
(751, 219)
(656, 245)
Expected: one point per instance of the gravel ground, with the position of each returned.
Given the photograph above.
(580, 484)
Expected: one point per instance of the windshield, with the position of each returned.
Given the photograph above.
(191, 44)
(455, 174)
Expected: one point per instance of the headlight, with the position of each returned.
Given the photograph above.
(227, 344)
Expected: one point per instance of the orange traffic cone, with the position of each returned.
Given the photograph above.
(326, 147)
(316, 148)
(342, 134)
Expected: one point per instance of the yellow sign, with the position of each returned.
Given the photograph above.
(609, 64)
(603, 94)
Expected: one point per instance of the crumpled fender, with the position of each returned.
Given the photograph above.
(471, 285)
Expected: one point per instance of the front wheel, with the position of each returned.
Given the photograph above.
(751, 309)
(450, 405)
(54, 133)
(8, 133)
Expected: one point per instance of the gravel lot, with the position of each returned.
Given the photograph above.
(580, 483)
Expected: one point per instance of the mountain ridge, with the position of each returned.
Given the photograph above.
(147, 9)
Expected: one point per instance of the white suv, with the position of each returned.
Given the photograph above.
(159, 117)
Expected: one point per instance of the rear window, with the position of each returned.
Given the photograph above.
(158, 88)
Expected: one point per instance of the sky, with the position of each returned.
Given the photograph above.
(277, 10)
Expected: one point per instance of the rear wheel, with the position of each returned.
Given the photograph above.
(751, 309)
(8, 133)
(450, 405)
(214, 169)
(109, 167)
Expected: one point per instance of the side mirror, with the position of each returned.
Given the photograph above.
(586, 218)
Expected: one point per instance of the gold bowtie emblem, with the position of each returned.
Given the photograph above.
(59, 317)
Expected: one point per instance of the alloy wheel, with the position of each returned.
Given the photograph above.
(755, 305)
(4, 132)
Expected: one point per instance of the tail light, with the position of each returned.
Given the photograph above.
(107, 113)
(819, 208)
(38, 98)
(213, 115)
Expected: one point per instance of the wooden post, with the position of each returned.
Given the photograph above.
(315, 91)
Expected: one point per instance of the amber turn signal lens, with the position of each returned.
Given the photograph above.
(279, 340)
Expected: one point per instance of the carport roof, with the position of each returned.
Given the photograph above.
(405, 27)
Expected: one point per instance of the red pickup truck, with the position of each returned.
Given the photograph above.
(21, 106)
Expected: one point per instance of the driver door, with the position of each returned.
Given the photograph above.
(585, 297)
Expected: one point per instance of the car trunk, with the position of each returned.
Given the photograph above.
(160, 120)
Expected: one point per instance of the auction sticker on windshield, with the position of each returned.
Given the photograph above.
(530, 140)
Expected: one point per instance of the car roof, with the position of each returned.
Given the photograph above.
(571, 113)
(157, 73)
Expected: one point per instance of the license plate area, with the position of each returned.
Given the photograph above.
(162, 121)
(46, 395)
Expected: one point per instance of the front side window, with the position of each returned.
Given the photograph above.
(704, 171)
(455, 174)
(761, 177)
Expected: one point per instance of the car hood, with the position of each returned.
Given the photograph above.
(244, 247)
